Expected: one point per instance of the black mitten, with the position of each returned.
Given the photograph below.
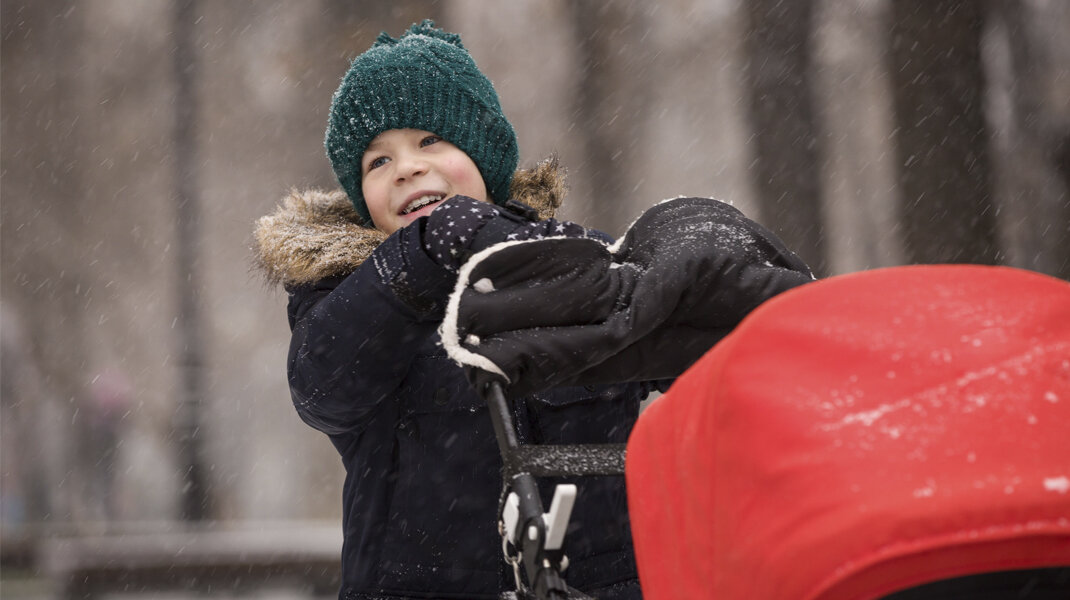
(539, 314)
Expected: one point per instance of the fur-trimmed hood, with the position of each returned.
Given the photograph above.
(316, 234)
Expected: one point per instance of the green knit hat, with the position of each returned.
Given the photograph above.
(423, 80)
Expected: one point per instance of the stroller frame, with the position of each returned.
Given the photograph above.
(531, 537)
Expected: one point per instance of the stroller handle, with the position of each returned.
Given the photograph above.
(530, 536)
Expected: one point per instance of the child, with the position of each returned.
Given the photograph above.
(427, 163)
(414, 124)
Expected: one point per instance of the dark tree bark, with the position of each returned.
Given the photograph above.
(946, 203)
(1035, 156)
(189, 412)
(44, 239)
(611, 107)
(786, 164)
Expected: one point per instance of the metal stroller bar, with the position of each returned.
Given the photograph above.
(530, 536)
(548, 460)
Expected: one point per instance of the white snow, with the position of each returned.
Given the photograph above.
(925, 492)
(1059, 484)
(869, 417)
(893, 432)
(942, 355)
(973, 376)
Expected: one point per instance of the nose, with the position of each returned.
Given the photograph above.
(409, 165)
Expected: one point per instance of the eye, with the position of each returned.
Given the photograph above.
(376, 163)
(431, 139)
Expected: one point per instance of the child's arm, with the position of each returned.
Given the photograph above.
(354, 338)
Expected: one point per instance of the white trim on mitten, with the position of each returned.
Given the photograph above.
(448, 329)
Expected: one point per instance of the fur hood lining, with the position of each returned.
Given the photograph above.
(316, 234)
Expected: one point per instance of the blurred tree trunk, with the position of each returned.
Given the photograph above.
(612, 102)
(1035, 149)
(189, 412)
(946, 201)
(852, 95)
(786, 158)
(44, 242)
(364, 20)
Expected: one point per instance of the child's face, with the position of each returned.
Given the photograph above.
(406, 173)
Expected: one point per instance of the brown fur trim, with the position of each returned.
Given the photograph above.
(315, 234)
(312, 235)
(542, 187)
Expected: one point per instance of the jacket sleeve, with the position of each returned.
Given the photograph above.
(354, 337)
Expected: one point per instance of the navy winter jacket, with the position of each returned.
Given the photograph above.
(422, 464)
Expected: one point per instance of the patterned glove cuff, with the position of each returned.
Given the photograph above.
(452, 227)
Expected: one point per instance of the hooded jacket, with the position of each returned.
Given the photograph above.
(366, 367)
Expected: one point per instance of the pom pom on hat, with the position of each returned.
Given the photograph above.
(426, 80)
(426, 27)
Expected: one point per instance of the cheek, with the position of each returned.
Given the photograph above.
(374, 196)
(465, 176)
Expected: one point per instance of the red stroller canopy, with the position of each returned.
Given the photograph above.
(862, 435)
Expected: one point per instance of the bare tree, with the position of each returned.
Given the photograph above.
(189, 411)
(852, 96)
(946, 203)
(1033, 134)
(612, 101)
(786, 155)
(44, 275)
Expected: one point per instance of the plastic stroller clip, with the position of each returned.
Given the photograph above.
(531, 537)
(560, 512)
(556, 521)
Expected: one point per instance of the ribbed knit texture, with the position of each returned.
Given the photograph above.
(423, 80)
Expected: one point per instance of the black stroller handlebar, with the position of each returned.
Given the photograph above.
(531, 537)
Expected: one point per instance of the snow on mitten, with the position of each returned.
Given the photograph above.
(544, 313)
(462, 226)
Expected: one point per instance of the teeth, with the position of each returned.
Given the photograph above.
(421, 202)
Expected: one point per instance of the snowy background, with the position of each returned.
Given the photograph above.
(143, 376)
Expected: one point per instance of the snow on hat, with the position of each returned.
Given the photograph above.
(423, 80)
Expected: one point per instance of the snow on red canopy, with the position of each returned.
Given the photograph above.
(861, 435)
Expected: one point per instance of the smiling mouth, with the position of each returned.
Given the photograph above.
(421, 202)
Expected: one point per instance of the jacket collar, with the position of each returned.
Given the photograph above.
(316, 234)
